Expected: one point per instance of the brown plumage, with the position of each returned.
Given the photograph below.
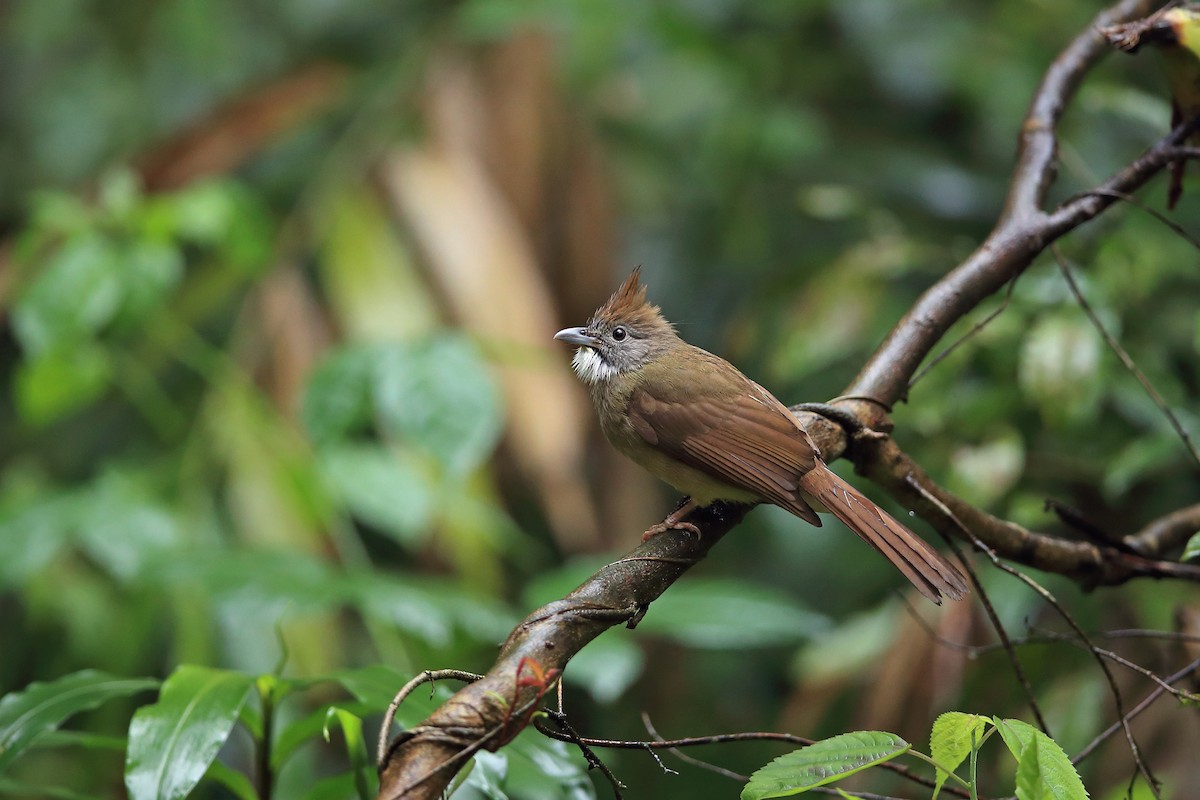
(696, 422)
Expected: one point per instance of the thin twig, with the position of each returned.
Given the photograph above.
(986, 602)
(594, 761)
(428, 676)
(1154, 694)
(1126, 360)
(684, 757)
(975, 329)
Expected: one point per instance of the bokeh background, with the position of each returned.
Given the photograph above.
(277, 287)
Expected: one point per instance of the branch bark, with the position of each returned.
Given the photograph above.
(487, 713)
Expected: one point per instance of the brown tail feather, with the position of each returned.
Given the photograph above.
(929, 572)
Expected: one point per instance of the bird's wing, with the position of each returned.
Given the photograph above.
(740, 435)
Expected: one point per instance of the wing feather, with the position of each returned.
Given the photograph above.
(740, 435)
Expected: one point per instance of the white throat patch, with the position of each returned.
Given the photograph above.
(590, 367)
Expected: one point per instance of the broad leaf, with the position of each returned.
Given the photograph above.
(439, 396)
(173, 742)
(1044, 772)
(40, 708)
(380, 487)
(337, 397)
(823, 762)
(954, 734)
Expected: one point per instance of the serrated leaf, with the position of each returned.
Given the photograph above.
(1044, 771)
(823, 762)
(726, 613)
(439, 395)
(954, 734)
(1192, 548)
(173, 742)
(40, 708)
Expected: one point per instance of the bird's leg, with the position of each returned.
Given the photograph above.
(674, 521)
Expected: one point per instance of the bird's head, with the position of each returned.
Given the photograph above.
(622, 336)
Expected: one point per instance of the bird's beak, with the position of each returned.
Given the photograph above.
(577, 336)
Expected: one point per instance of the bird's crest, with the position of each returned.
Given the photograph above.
(628, 305)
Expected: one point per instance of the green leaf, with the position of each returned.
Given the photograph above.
(1044, 771)
(173, 742)
(545, 768)
(337, 396)
(823, 762)
(727, 613)
(238, 784)
(381, 487)
(488, 775)
(1192, 548)
(335, 787)
(951, 740)
(439, 395)
(356, 748)
(54, 383)
(40, 708)
(77, 294)
(150, 269)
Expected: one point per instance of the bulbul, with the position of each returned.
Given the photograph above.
(693, 420)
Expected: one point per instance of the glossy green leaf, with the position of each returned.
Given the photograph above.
(823, 762)
(356, 749)
(724, 613)
(439, 395)
(238, 783)
(1044, 771)
(173, 742)
(488, 774)
(40, 708)
(953, 736)
(546, 768)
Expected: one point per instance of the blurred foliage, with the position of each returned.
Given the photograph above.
(248, 421)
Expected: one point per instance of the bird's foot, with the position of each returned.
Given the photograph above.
(669, 524)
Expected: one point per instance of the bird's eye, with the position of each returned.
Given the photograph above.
(619, 334)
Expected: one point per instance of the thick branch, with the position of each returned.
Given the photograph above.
(487, 713)
(1023, 230)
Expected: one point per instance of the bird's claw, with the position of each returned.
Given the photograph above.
(671, 525)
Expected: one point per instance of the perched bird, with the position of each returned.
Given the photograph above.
(694, 421)
(1175, 32)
